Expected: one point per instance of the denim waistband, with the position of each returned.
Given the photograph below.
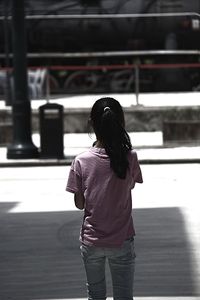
(131, 239)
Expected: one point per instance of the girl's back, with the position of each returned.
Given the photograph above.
(108, 204)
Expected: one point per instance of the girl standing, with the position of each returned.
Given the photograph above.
(101, 179)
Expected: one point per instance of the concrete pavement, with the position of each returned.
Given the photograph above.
(149, 146)
(39, 229)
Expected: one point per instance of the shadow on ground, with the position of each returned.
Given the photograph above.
(40, 259)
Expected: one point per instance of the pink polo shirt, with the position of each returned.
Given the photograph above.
(107, 220)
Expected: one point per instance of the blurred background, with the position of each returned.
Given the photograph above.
(145, 53)
(97, 46)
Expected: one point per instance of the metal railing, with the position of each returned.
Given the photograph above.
(43, 84)
(107, 54)
(136, 67)
(109, 16)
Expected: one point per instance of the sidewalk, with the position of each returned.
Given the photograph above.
(148, 145)
(40, 226)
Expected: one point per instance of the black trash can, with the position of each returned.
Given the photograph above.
(51, 131)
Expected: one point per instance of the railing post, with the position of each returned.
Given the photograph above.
(137, 83)
(47, 85)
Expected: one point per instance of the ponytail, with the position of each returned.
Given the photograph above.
(108, 122)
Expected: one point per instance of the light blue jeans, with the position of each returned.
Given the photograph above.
(122, 264)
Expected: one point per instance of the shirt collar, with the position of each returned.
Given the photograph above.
(99, 152)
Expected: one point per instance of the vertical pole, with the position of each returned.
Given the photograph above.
(47, 85)
(22, 145)
(8, 95)
(137, 87)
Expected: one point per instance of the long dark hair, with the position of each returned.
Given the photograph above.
(107, 120)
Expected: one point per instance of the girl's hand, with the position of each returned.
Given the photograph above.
(79, 200)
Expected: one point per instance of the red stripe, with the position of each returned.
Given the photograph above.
(112, 67)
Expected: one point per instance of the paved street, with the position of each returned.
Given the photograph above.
(39, 228)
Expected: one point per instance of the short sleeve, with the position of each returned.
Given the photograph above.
(136, 170)
(74, 182)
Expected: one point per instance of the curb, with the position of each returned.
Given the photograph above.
(68, 160)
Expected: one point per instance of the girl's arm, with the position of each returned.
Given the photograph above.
(79, 200)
